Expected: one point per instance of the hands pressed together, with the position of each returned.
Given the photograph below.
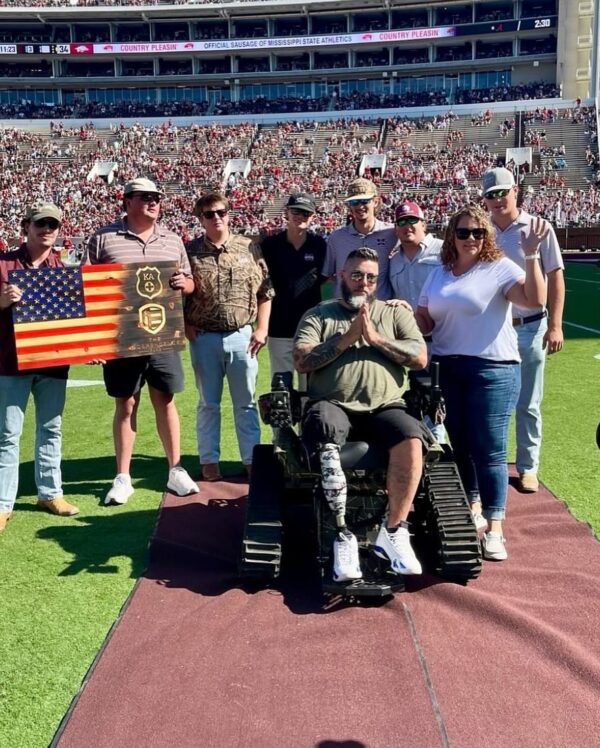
(362, 328)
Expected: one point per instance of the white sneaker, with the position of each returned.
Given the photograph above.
(479, 521)
(180, 482)
(120, 490)
(397, 549)
(493, 547)
(346, 565)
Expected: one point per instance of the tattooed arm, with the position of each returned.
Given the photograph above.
(411, 353)
(408, 351)
(309, 356)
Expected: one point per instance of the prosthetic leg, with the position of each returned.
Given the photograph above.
(346, 564)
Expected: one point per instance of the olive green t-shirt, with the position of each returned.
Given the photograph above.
(361, 378)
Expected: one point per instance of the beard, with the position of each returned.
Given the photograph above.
(355, 301)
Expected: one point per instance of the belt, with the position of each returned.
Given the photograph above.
(223, 332)
(532, 318)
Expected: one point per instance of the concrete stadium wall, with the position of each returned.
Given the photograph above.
(575, 238)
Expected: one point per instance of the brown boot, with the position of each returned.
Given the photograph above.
(4, 517)
(528, 483)
(58, 506)
(210, 472)
(248, 469)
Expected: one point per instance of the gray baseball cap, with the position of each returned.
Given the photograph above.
(497, 179)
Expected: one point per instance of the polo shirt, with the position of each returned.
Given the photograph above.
(346, 239)
(408, 276)
(116, 243)
(296, 277)
(509, 241)
(14, 260)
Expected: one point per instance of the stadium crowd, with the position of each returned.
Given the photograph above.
(292, 156)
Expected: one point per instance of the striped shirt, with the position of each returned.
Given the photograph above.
(116, 243)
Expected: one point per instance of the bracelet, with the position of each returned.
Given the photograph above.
(536, 256)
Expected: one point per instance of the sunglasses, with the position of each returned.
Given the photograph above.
(464, 234)
(297, 212)
(497, 193)
(50, 223)
(210, 214)
(408, 220)
(361, 201)
(149, 197)
(358, 276)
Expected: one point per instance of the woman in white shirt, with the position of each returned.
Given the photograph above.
(465, 305)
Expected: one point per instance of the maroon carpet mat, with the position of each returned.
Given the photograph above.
(511, 660)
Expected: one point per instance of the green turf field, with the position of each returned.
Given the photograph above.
(63, 581)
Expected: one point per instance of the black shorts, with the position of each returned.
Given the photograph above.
(325, 423)
(124, 377)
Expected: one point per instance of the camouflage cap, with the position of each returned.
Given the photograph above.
(40, 210)
(361, 189)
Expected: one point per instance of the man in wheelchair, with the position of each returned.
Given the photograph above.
(357, 352)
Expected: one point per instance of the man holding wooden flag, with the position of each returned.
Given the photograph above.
(46, 385)
(135, 238)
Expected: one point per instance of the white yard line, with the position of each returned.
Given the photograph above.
(581, 280)
(83, 382)
(581, 327)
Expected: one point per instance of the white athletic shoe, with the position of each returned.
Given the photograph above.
(397, 549)
(120, 490)
(346, 565)
(180, 482)
(493, 547)
(479, 521)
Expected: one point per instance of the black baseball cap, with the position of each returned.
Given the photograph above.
(302, 201)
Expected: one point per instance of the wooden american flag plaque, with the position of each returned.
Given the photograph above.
(72, 315)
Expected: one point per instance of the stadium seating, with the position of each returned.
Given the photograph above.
(436, 160)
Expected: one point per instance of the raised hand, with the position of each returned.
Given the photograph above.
(531, 240)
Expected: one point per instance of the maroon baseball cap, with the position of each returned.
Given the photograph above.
(409, 209)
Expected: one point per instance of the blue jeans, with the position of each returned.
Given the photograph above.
(216, 355)
(49, 398)
(480, 396)
(529, 416)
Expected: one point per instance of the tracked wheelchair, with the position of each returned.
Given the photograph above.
(286, 485)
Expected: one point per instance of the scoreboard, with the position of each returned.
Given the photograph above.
(36, 49)
(401, 35)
